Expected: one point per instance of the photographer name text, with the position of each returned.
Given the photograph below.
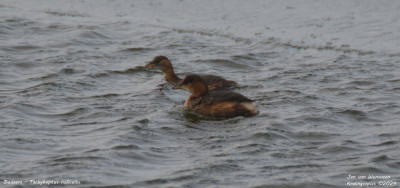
(370, 181)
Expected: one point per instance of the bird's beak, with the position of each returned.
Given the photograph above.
(179, 87)
(150, 65)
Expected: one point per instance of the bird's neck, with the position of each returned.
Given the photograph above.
(170, 76)
(199, 89)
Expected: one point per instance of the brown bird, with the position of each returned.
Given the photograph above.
(214, 82)
(220, 103)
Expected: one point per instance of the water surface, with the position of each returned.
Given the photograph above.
(77, 104)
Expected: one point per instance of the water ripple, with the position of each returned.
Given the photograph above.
(77, 103)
